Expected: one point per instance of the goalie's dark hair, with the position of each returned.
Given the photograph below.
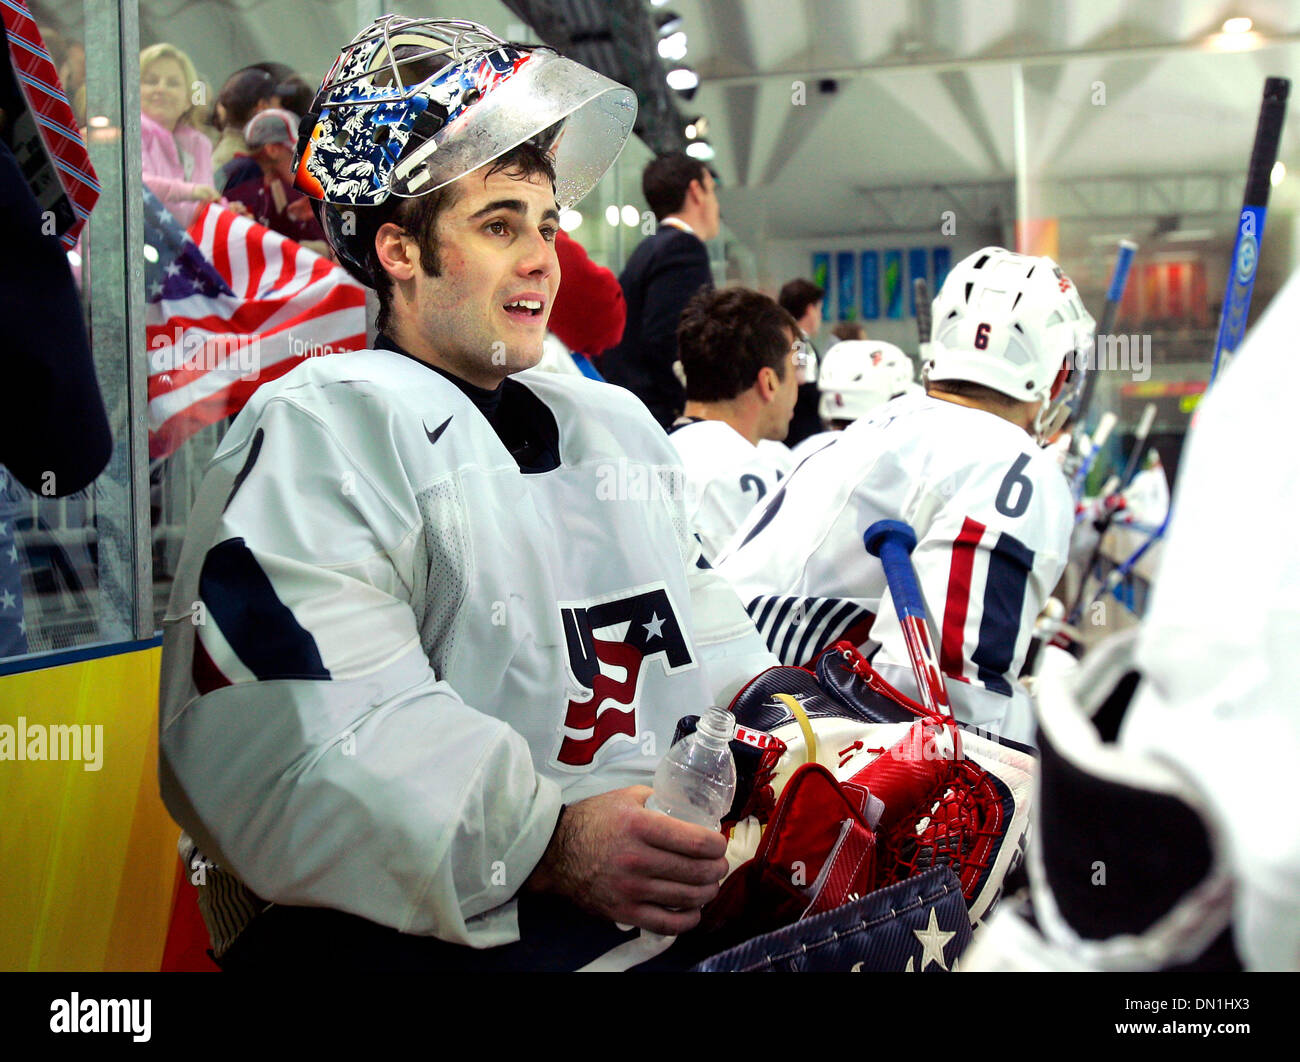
(419, 217)
(725, 337)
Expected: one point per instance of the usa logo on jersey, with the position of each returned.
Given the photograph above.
(607, 642)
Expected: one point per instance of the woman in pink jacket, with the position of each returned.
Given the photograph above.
(177, 157)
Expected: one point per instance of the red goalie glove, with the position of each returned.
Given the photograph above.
(951, 796)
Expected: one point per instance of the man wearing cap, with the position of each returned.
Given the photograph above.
(449, 622)
(271, 198)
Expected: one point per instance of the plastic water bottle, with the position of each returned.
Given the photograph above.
(696, 780)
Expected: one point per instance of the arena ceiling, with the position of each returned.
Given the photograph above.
(826, 115)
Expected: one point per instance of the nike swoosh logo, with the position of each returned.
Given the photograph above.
(436, 434)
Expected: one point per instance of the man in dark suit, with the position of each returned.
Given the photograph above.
(663, 273)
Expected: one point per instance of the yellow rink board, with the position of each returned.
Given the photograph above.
(87, 857)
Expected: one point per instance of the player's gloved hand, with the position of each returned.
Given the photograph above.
(614, 858)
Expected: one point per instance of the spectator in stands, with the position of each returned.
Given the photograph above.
(802, 299)
(290, 91)
(245, 93)
(660, 277)
(177, 158)
(296, 93)
(271, 198)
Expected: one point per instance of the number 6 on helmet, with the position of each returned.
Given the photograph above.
(1015, 323)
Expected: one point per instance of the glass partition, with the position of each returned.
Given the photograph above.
(73, 573)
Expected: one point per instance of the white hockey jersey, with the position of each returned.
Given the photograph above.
(1147, 497)
(992, 515)
(726, 476)
(390, 655)
(778, 455)
(1218, 644)
(813, 443)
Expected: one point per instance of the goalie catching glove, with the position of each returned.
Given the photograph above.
(860, 788)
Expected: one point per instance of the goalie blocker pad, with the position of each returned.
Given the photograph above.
(918, 925)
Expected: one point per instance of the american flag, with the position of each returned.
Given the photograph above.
(232, 305)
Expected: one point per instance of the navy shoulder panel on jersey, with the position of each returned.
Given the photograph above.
(260, 628)
(1010, 563)
(769, 512)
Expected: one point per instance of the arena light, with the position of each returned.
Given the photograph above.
(697, 127)
(673, 46)
(611, 214)
(1279, 173)
(631, 216)
(683, 79)
(700, 149)
(570, 219)
(99, 121)
(1238, 35)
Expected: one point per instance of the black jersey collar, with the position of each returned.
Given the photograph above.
(487, 401)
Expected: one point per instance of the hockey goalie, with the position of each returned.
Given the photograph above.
(436, 616)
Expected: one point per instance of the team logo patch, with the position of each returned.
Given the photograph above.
(607, 643)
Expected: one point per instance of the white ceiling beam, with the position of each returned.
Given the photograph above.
(1107, 52)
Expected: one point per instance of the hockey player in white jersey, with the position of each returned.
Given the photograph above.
(1187, 781)
(448, 619)
(962, 464)
(857, 375)
(737, 349)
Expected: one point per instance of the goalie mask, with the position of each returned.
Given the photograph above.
(411, 105)
(858, 375)
(1013, 323)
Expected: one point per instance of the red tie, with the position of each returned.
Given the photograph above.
(47, 142)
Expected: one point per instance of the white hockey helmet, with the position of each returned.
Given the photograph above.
(1013, 323)
(857, 375)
